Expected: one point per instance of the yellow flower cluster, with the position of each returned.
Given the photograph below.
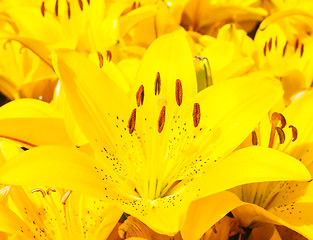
(156, 119)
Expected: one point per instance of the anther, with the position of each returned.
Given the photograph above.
(56, 8)
(294, 133)
(179, 92)
(161, 120)
(296, 44)
(196, 114)
(68, 10)
(139, 4)
(42, 9)
(284, 49)
(254, 138)
(66, 196)
(100, 59)
(140, 95)
(301, 50)
(88, 1)
(276, 42)
(49, 190)
(157, 84)
(39, 190)
(132, 122)
(270, 45)
(134, 6)
(281, 135)
(81, 6)
(282, 120)
(109, 55)
(264, 49)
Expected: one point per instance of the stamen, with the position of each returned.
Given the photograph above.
(42, 9)
(196, 114)
(296, 44)
(39, 190)
(285, 48)
(281, 135)
(132, 121)
(277, 117)
(56, 8)
(139, 4)
(88, 1)
(100, 59)
(270, 45)
(264, 49)
(254, 138)
(50, 190)
(161, 120)
(276, 42)
(179, 92)
(282, 120)
(80, 2)
(66, 196)
(294, 133)
(157, 84)
(140, 96)
(68, 10)
(301, 50)
(134, 6)
(109, 55)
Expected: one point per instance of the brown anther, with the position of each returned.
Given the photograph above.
(109, 55)
(275, 119)
(132, 122)
(66, 196)
(296, 44)
(264, 49)
(50, 190)
(196, 114)
(254, 138)
(139, 4)
(294, 133)
(140, 95)
(284, 49)
(88, 1)
(179, 92)
(270, 44)
(276, 42)
(134, 6)
(81, 6)
(161, 120)
(43, 9)
(157, 84)
(68, 10)
(282, 120)
(56, 8)
(100, 59)
(39, 190)
(301, 50)
(281, 135)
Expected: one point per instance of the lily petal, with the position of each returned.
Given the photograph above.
(32, 122)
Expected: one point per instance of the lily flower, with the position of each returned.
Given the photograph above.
(283, 44)
(286, 203)
(156, 153)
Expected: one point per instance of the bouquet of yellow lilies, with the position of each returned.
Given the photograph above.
(163, 119)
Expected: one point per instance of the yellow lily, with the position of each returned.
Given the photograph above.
(285, 203)
(156, 152)
(207, 17)
(284, 46)
(28, 213)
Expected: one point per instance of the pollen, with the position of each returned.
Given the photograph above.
(109, 55)
(140, 96)
(179, 92)
(301, 50)
(281, 134)
(196, 114)
(81, 6)
(100, 59)
(270, 45)
(254, 138)
(161, 120)
(132, 122)
(284, 49)
(68, 10)
(43, 9)
(157, 84)
(39, 190)
(294, 133)
(56, 8)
